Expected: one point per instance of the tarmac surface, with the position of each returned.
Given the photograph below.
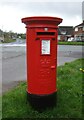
(14, 62)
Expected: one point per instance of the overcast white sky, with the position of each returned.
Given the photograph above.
(11, 12)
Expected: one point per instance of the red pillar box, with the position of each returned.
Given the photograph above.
(41, 41)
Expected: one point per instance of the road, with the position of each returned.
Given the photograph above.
(14, 62)
(68, 53)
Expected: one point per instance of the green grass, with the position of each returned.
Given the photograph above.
(0, 107)
(69, 104)
(70, 43)
(8, 40)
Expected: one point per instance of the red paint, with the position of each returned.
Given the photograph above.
(41, 68)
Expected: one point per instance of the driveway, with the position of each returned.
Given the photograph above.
(14, 62)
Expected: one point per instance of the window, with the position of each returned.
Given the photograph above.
(63, 32)
(59, 37)
(83, 28)
(76, 29)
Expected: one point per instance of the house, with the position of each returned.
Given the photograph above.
(1, 36)
(79, 32)
(1, 39)
(65, 32)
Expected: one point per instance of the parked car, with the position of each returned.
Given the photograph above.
(70, 39)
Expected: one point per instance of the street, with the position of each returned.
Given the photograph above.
(68, 53)
(14, 62)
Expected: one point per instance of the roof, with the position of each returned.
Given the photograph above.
(80, 25)
(66, 30)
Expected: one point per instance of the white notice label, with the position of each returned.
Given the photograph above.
(45, 47)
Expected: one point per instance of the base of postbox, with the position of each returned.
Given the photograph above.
(42, 102)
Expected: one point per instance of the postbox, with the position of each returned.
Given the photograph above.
(41, 48)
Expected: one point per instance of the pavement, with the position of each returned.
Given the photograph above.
(14, 62)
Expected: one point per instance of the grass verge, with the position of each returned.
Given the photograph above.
(69, 104)
(70, 43)
(0, 107)
(9, 40)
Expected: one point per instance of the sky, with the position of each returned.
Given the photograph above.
(12, 11)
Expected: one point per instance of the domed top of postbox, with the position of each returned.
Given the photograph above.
(42, 20)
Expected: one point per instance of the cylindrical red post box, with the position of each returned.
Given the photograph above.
(41, 47)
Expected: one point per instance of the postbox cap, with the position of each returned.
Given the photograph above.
(42, 19)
